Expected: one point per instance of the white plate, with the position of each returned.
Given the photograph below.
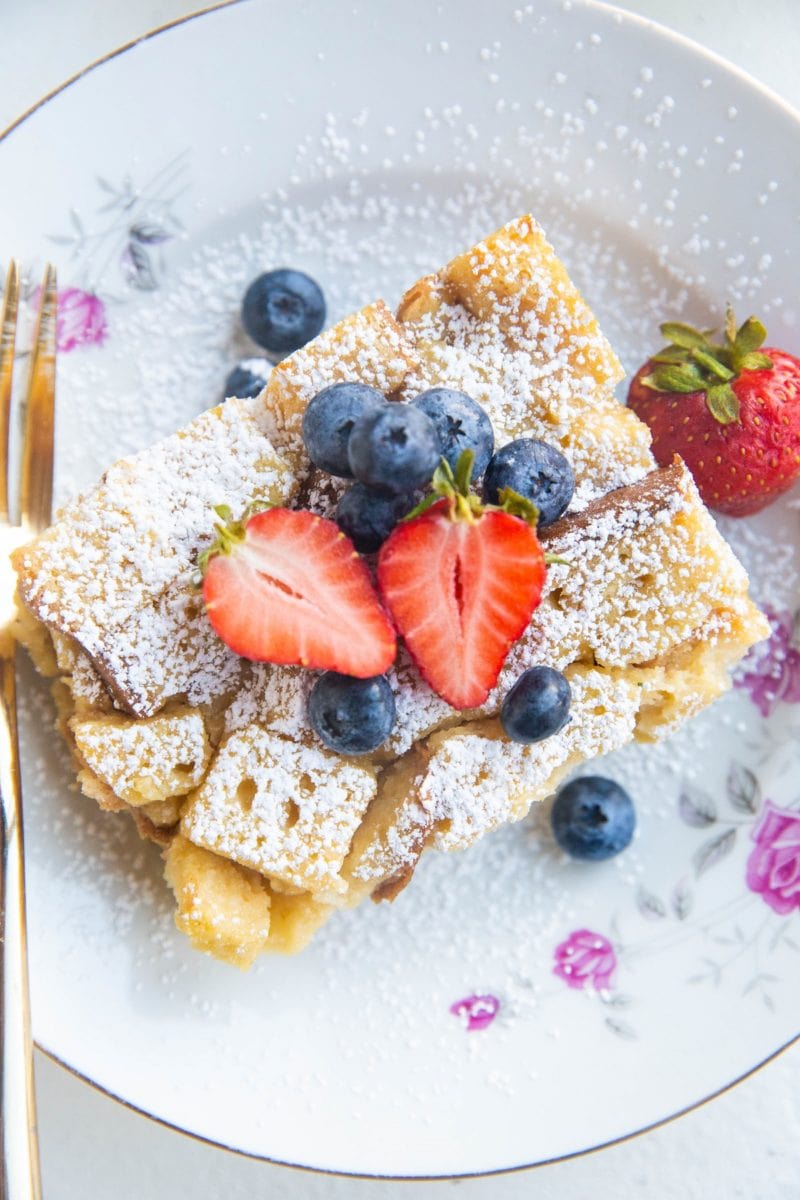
(366, 145)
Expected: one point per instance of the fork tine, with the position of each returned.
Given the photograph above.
(8, 334)
(36, 481)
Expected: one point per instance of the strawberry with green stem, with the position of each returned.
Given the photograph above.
(730, 409)
(460, 580)
(288, 587)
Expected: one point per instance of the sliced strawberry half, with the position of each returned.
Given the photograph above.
(461, 581)
(288, 587)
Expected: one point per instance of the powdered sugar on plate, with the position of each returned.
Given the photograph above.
(358, 238)
(663, 183)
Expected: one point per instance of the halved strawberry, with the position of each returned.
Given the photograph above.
(461, 580)
(288, 587)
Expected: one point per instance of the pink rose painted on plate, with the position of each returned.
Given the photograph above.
(81, 320)
(771, 671)
(477, 1012)
(586, 959)
(773, 868)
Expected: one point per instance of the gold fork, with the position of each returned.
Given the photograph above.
(20, 1162)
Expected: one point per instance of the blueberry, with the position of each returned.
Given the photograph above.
(282, 310)
(248, 378)
(394, 450)
(593, 818)
(351, 716)
(536, 706)
(328, 422)
(536, 470)
(461, 424)
(368, 518)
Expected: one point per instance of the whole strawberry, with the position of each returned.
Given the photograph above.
(731, 410)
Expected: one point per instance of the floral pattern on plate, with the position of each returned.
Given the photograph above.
(773, 868)
(80, 320)
(736, 932)
(771, 671)
(586, 959)
(676, 910)
(120, 241)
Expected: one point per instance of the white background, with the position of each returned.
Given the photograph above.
(744, 1144)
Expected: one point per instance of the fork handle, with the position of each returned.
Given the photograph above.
(20, 1152)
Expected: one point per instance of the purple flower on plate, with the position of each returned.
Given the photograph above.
(773, 868)
(585, 959)
(477, 1012)
(81, 320)
(771, 671)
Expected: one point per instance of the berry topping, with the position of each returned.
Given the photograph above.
(460, 581)
(351, 716)
(730, 409)
(461, 424)
(282, 310)
(328, 422)
(535, 470)
(394, 450)
(288, 587)
(592, 818)
(368, 518)
(536, 706)
(248, 378)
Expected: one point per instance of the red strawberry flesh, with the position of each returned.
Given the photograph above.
(461, 593)
(295, 591)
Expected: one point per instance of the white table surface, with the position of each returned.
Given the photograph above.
(745, 1144)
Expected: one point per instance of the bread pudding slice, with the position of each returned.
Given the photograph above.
(265, 832)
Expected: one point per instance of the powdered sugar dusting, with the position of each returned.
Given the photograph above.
(639, 578)
(476, 782)
(145, 761)
(626, 179)
(507, 326)
(118, 571)
(635, 592)
(283, 808)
